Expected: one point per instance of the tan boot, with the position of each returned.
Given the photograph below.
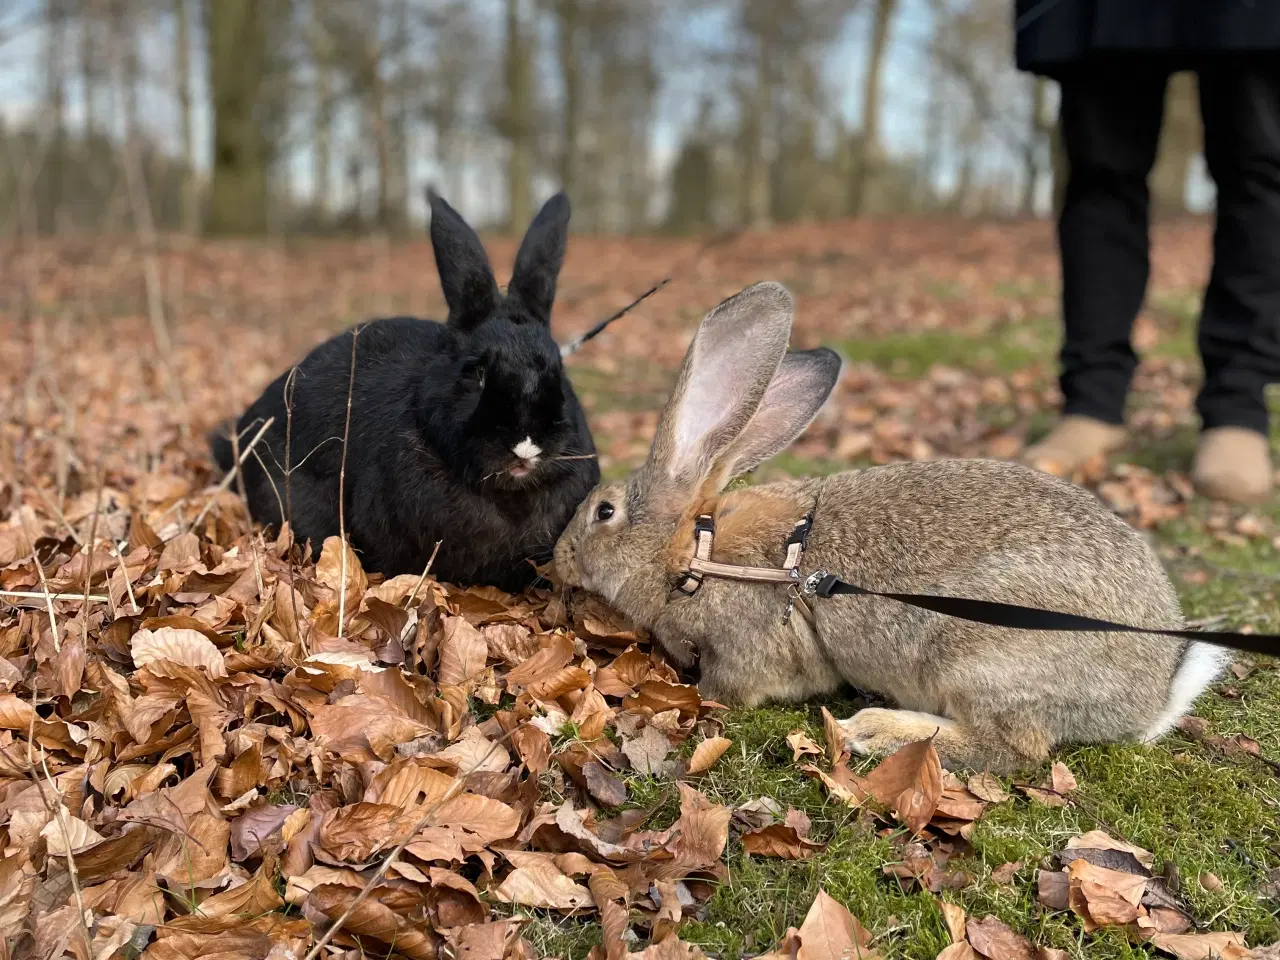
(1073, 443)
(1233, 463)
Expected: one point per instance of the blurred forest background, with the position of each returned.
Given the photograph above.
(247, 117)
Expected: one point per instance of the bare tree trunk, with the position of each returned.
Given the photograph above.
(757, 202)
(322, 129)
(962, 201)
(56, 97)
(88, 78)
(868, 154)
(190, 185)
(380, 128)
(931, 156)
(402, 118)
(237, 62)
(518, 120)
(1035, 139)
(567, 14)
(126, 40)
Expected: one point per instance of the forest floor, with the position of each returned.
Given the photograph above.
(216, 786)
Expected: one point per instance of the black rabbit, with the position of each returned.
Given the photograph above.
(465, 432)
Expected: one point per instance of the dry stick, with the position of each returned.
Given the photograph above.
(289, 384)
(244, 497)
(231, 474)
(34, 595)
(399, 848)
(128, 583)
(342, 483)
(88, 570)
(422, 579)
(48, 597)
(275, 491)
(58, 514)
(58, 812)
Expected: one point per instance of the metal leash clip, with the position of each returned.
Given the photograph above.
(794, 591)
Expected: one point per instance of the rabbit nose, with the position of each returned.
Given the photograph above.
(526, 449)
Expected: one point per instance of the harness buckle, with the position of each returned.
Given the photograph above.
(811, 582)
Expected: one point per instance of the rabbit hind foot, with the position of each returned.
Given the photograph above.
(877, 731)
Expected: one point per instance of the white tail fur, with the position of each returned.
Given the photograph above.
(1202, 664)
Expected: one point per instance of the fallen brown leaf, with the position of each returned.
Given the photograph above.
(706, 753)
(995, 940)
(909, 782)
(954, 916)
(1202, 946)
(1005, 873)
(536, 881)
(802, 745)
(831, 932)
(779, 840)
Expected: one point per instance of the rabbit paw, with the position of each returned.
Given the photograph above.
(876, 731)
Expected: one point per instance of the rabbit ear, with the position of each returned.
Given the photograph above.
(797, 392)
(728, 367)
(465, 274)
(533, 281)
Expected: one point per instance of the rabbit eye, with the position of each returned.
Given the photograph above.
(478, 374)
(604, 511)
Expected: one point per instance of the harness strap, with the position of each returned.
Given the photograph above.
(701, 565)
(990, 612)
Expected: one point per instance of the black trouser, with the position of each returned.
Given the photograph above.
(1111, 117)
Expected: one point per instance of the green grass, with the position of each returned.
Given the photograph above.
(637, 388)
(1004, 349)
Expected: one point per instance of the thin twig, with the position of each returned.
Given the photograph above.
(45, 595)
(88, 570)
(128, 583)
(44, 587)
(60, 813)
(244, 497)
(342, 485)
(422, 579)
(289, 384)
(231, 474)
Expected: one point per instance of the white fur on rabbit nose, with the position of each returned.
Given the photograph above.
(526, 449)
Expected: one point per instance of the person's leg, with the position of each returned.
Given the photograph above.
(1240, 322)
(1111, 115)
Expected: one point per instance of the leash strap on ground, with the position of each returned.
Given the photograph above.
(1011, 615)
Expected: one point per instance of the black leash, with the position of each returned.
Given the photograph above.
(996, 614)
(576, 343)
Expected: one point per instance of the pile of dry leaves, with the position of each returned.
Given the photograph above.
(200, 731)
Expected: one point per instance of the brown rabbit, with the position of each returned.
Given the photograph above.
(992, 697)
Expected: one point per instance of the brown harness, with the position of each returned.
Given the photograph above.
(701, 565)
